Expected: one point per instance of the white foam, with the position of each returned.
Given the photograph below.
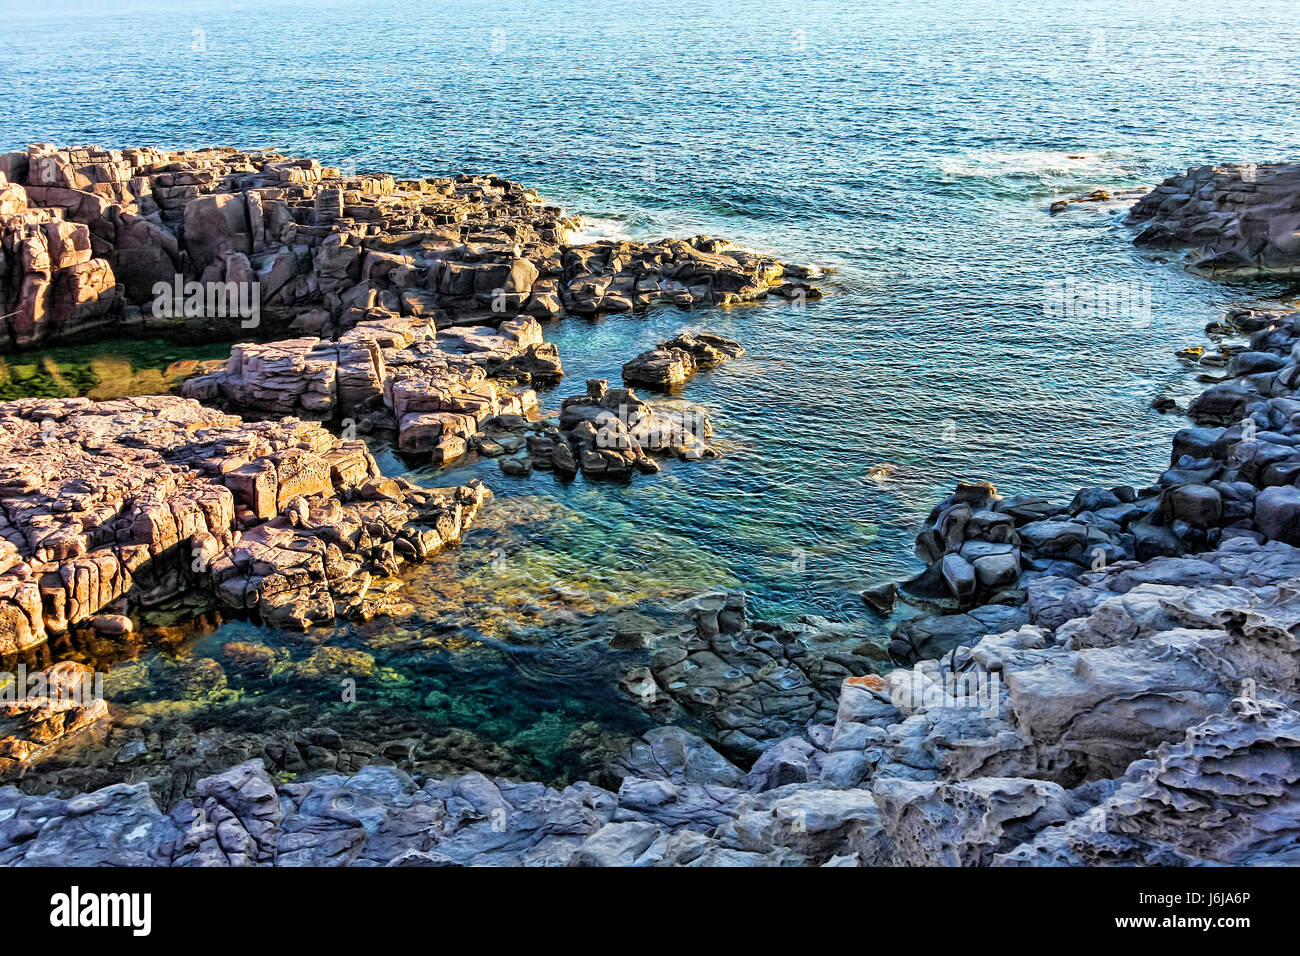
(992, 163)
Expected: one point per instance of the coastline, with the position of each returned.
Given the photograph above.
(1057, 787)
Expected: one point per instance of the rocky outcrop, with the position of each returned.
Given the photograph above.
(756, 684)
(606, 433)
(1237, 220)
(1232, 482)
(91, 236)
(52, 283)
(1224, 794)
(388, 372)
(673, 362)
(1097, 196)
(131, 502)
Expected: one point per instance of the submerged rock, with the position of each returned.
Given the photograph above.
(40, 709)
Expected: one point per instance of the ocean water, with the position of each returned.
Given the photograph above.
(911, 148)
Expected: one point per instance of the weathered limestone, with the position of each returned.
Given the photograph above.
(1224, 794)
(1235, 220)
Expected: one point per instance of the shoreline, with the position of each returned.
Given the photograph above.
(1166, 641)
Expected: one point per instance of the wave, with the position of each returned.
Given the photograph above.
(997, 164)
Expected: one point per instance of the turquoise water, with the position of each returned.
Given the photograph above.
(913, 148)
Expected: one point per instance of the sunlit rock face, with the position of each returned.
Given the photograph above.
(138, 500)
(210, 242)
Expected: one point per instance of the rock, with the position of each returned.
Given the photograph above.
(672, 753)
(1056, 538)
(881, 598)
(1235, 220)
(674, 361)
(1277, 511)
(791, 761)
(433, 385)
(965, 823)
(959, 575)
(119, 825)
(617, 844)
(1224, 794)
(142, 499)
(994, 572)
(613, 434)
(1199, 505)
(521, 467)
(930, 636)
(816, 825)
(111, 625)
(755, 686)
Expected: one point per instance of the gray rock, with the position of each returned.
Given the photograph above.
(617, 844)
(966, 823)
(1277, 512)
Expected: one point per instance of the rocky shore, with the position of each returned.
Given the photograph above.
(1236, 221)
(1106, 681)
(137, 501)
(90, 236)
(398, 306)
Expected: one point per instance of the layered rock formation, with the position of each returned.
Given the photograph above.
(52, 284)
(89, 234)
(1237, 220)
(134, 501)
(431, 387)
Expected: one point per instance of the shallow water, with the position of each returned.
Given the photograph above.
(103, 370)
(913, 147)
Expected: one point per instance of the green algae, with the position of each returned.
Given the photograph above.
(103, 370)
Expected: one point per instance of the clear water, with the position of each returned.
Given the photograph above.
(912, 147)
